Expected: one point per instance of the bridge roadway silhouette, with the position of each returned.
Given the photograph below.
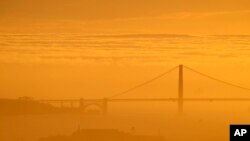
(103, 103)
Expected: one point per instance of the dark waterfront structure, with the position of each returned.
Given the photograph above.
(102, 135)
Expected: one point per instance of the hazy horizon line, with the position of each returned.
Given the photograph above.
(122, 34)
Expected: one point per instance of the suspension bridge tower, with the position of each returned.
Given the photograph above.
(180, 90)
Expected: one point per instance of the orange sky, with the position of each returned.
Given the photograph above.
(130, 16)
(113, 16)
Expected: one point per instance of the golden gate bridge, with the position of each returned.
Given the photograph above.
(104, 102)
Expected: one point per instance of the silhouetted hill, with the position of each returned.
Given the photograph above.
(29, 106)
(102, 135)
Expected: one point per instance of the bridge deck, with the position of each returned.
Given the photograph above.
(149, 100)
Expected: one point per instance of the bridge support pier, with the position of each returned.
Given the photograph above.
(102, 104)
(180, 90)
(81, 103)
(105, 106)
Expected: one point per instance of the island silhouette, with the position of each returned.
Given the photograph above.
(102, 135)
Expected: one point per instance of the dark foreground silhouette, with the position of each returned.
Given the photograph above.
(102, 135)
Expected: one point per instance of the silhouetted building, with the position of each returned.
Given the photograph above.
(102, 135)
